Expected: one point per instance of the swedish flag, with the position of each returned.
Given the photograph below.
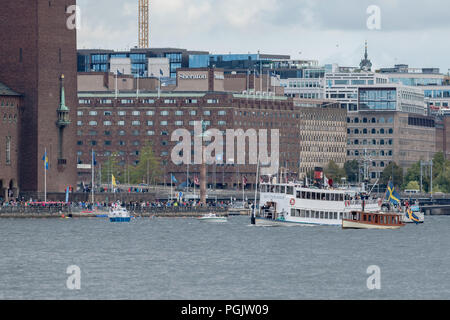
(410, 214)
(392, 195)
(45, 159)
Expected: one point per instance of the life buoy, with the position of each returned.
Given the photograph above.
(292, 202)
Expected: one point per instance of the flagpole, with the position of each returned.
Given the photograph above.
(92, 182)
(243, 191)
(45, 176)
(116, 89)
(253, 218)
(159, 84)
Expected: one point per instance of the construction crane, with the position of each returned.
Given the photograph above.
(144, 23)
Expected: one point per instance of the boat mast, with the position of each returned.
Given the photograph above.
(253, 218)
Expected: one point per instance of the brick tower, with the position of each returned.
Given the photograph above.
(38, 60)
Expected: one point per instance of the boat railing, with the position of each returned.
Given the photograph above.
(366, 202)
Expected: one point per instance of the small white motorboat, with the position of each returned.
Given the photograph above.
(212, 217)
(118, 214)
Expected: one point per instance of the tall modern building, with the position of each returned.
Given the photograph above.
(38, 60)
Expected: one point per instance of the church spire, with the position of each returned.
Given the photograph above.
(366, 64)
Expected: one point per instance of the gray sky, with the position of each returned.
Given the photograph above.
(414, 32)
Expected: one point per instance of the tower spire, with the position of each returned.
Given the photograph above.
(366, 64)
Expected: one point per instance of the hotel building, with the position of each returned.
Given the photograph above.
(125, 123)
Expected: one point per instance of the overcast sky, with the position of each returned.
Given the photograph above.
(413, 32)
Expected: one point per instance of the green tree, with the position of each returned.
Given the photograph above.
(352, 170)
(334, 172)
(441, 173)
(148, 168)
(412, 185)
(111, 167)
(392, 172)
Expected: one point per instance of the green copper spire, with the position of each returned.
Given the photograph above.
(63, 110)
(62, 104)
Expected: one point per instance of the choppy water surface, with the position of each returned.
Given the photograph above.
(189, 259)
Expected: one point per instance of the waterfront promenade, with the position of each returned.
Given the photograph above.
(71, 211)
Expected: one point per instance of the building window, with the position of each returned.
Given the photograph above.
(136, 123)
(8, 150)
(163, 123)
(136, 113)
(150, 133)
(107, 123)
(92, 123)
(150, 113)
(79, 113)
(121, 123)
(121, 113)
(165, 113)
(149, 123)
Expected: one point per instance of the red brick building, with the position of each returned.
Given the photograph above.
(37, 59)
(125, 124)
(9, 143)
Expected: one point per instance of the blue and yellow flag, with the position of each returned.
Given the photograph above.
(392, 195)
(45, 159)
(410, 214)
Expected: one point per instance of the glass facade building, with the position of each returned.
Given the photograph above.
(99, 60)
(378, 99)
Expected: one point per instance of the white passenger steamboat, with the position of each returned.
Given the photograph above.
(293, 204)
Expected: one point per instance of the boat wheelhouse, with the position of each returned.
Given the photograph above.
(296, 204)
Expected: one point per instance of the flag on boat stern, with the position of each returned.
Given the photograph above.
(410, 214)
(392, 195)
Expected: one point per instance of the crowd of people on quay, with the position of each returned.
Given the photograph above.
(133, 205)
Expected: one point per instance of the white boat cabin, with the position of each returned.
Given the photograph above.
(291, 203)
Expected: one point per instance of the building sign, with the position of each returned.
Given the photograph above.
(219, 76)
(84, 166)
(193, 76)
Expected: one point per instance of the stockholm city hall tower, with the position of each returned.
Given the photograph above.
(38, 59)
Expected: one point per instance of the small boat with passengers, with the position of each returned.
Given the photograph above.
(117, 213)
(370, 220)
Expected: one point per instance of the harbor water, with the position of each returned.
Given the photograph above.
(183, 258)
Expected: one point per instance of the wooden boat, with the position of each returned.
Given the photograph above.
(370, 220)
